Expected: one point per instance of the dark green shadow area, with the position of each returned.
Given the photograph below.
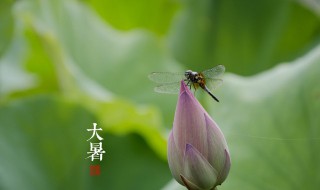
(129, 164)
(43, 140)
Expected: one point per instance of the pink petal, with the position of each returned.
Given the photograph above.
(217, 144)
(198, 170)
(175, 159)
(224, 173)
(189, 123)
(189, 184)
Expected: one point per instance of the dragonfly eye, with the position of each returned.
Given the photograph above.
(187, 73)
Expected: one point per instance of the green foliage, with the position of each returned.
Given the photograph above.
(6, 24)
(63, 66)
(43, 140)
(153, 15)
(246, 36)
(274, 131)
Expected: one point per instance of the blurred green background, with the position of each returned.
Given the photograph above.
(65, 64)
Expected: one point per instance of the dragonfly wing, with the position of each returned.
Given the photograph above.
(166, 77)
(171, 88)
(213, 84)
(215, 72)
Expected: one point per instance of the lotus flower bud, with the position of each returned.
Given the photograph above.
(198, 154)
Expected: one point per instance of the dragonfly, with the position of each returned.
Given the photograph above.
(169, 82)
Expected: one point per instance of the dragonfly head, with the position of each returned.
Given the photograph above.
(191, 75)
(188, 73)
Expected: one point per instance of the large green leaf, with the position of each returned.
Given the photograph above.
(53, 66)
(246, 36)
(43, 143)
(272, 126)
(56, 72)
(153, 15)
(119, 62)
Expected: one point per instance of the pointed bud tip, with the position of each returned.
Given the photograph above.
(183, 86)
(185, 89)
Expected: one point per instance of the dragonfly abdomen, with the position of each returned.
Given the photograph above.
(208, 91)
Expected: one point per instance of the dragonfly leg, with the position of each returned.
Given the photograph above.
(195, 89)
(188, 84)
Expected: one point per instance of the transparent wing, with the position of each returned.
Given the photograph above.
(213, 84)
(166, 77)
(215, 72)
(171, 88)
